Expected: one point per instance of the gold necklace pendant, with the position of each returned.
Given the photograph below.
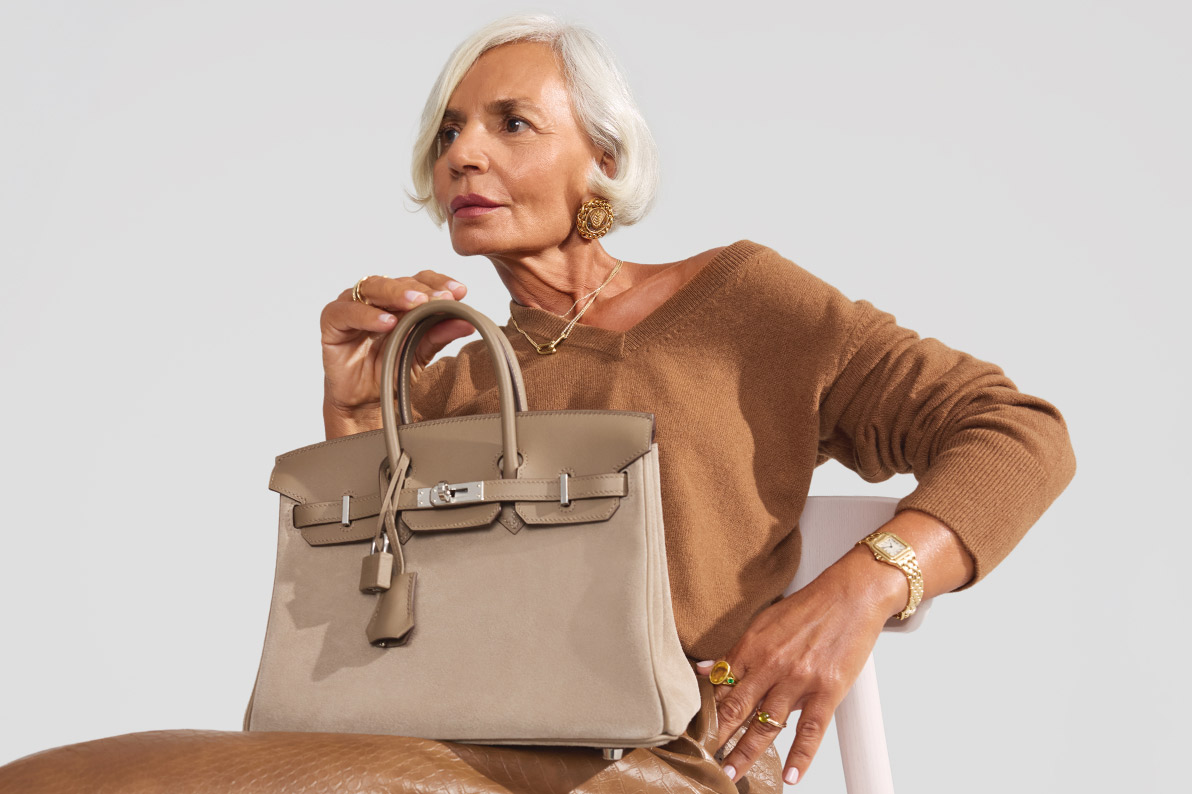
(550, 348)
(545, 348)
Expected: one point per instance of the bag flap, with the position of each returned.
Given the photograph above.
(457, 449)
(322, 474)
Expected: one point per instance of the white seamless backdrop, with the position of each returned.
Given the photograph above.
(184, 186)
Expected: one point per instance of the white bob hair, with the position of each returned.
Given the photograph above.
(600, 99)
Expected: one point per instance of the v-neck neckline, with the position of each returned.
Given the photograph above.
(544, 326)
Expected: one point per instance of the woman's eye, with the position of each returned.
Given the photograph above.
(447, 135)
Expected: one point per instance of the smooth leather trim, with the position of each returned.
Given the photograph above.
(520, 490)
(533, 490)
(614, 439)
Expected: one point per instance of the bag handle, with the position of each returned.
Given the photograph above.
(510, 388)
(405, 370)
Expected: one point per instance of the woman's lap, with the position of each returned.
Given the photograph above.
(186, 762)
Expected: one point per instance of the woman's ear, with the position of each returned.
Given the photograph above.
(608, 165)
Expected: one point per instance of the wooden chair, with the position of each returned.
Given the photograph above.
(830, 525)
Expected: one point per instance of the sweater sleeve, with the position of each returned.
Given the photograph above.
(988, 459)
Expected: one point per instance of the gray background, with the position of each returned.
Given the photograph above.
(184, 185)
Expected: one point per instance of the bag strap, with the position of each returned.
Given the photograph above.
(563, 489)
(510, 389)
(406, 367)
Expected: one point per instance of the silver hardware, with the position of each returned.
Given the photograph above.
(384, 544)
(613, 754)
(564, 499)
(344, 518)
(451, 493)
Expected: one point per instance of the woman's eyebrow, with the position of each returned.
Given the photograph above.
(498, 107)
(505, 106)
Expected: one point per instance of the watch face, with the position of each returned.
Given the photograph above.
(890, 545)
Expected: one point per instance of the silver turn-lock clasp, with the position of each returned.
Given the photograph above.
(446, 493)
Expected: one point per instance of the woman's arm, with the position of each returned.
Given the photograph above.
(988, 459)
(943, 560)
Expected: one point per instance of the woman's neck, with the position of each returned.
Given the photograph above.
(555, 279)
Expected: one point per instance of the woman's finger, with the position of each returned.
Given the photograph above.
(813, 724)
(343, 320)
(448, 331)
(406, 292)
(388, 298)
(437, 338)
(759, 735)
(443, 282)
(735, 704)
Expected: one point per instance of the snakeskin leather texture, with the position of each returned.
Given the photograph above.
(235, 762)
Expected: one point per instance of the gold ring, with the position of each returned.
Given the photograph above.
(764, 718)
(722, 674)
(356, 296)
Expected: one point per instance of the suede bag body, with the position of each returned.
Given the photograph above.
(528, 601)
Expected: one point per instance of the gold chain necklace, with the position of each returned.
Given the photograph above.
(547, 348)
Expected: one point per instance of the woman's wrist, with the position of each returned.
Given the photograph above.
(881, 587)
(943, 559)
(339, 422)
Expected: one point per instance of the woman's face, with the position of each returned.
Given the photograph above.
(513, 162)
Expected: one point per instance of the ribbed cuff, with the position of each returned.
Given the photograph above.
(989, 490)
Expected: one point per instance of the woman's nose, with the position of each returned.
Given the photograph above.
(468, 151)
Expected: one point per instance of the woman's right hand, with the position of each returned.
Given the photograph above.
(353, 337)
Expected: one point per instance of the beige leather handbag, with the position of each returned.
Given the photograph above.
(495, 579)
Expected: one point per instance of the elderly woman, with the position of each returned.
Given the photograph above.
(531, 149)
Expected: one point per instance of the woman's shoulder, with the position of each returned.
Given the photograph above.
(717, 264)
(771, 280)
(754, 256)
(772, 296)
(754, 260)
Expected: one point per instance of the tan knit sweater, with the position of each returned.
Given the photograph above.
(757, 371)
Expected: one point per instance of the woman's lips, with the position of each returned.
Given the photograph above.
(472, 205)
(473, 211)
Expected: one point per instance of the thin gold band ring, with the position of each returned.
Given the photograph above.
(357, 296)
(764, 718)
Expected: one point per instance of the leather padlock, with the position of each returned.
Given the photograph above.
(376, 572)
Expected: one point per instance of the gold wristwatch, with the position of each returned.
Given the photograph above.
(889, 548)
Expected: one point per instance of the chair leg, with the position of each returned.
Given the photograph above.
(863, 738)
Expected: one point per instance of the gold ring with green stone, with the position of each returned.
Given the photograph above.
(722, 675)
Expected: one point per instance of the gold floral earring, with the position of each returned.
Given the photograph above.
(595, 218)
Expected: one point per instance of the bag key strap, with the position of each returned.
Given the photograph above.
(393, 619)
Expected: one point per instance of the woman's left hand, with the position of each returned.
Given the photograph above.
(803, 652)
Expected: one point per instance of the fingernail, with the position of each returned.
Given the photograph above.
(730, 771)
(413, 296)
(453, 285)
(387, 318)
(706, 663)
(444, 294)
(791, 776)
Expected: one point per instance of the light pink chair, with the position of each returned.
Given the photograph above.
(830, 525)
